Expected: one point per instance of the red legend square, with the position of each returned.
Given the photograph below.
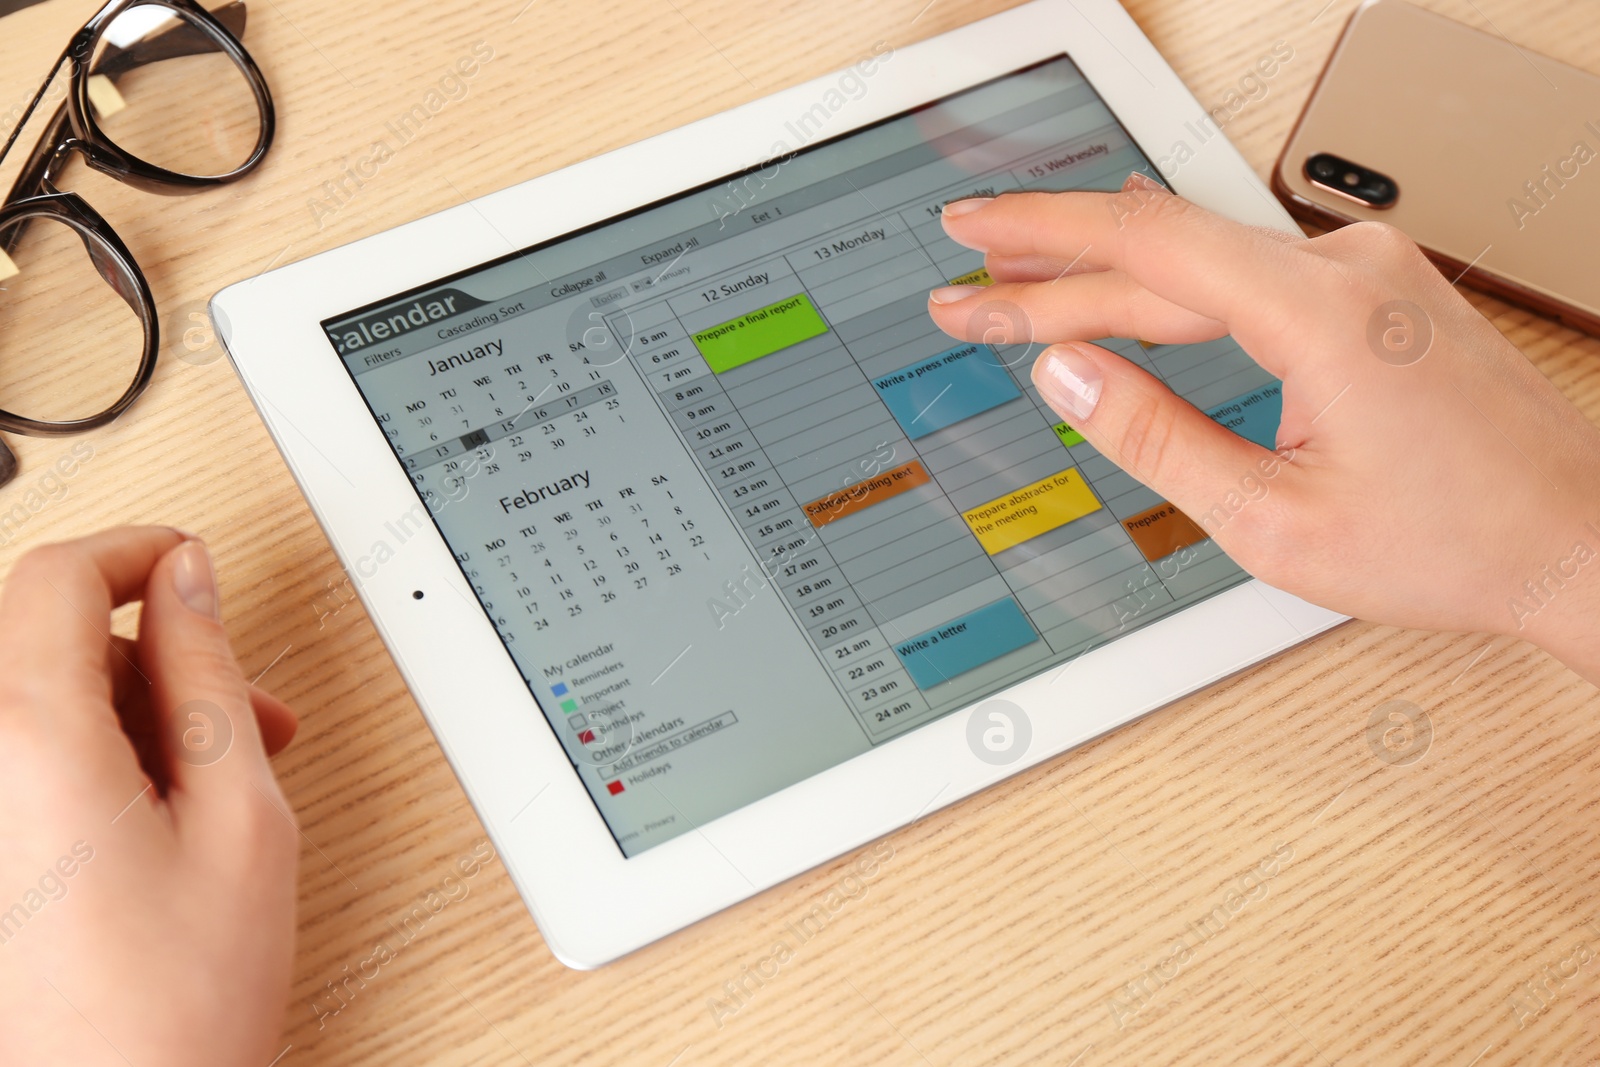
(614, 787)
(587, 737)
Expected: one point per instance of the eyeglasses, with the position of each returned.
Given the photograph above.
(161, 95)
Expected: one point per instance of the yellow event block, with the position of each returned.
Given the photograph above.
(977, 277)
(1034, 509)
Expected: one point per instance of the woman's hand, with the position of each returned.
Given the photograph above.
(1427, 475)
(148, 857)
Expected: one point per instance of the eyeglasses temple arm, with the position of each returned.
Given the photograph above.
(31, 179)
(27, 113)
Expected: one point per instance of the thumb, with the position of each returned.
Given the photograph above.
(211, 746)
(1148, 430)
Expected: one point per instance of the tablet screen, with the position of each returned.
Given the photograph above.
(737, 509)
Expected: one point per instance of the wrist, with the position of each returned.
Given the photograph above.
(1558, 608)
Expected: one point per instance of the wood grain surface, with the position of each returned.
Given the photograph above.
(1333, 907)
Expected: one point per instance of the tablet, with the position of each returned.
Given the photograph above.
(706, 555)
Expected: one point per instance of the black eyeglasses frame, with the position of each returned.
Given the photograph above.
(75, 130)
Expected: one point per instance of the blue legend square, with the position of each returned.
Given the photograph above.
(560, 689)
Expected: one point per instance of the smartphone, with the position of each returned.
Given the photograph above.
(1486, 154)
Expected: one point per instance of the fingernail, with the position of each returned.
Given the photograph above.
(1069, 381)
(951, 293)
(1140, 180)
(194, 579)
(967, 206)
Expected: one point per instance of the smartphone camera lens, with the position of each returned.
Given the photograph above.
(1361, 184)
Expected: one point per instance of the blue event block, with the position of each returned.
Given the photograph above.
(941, 391)
(1253, 416)
(963, 643)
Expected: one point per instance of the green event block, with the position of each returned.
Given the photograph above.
(760, 333)
(1068, 435)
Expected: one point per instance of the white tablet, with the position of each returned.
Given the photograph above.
(707, 557)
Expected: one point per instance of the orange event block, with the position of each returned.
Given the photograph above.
(862, 495)
(1161, 531)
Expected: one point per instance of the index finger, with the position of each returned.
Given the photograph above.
(55, 610)
(1224, 270)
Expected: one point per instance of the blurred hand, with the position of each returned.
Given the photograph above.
(1425, 492)
(147, 865)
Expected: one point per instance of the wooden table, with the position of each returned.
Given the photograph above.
(1035, 923)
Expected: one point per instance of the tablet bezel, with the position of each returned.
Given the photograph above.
(590, 902)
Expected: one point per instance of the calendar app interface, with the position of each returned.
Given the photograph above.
(736, 508)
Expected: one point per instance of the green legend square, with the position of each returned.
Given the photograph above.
(569, 706)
